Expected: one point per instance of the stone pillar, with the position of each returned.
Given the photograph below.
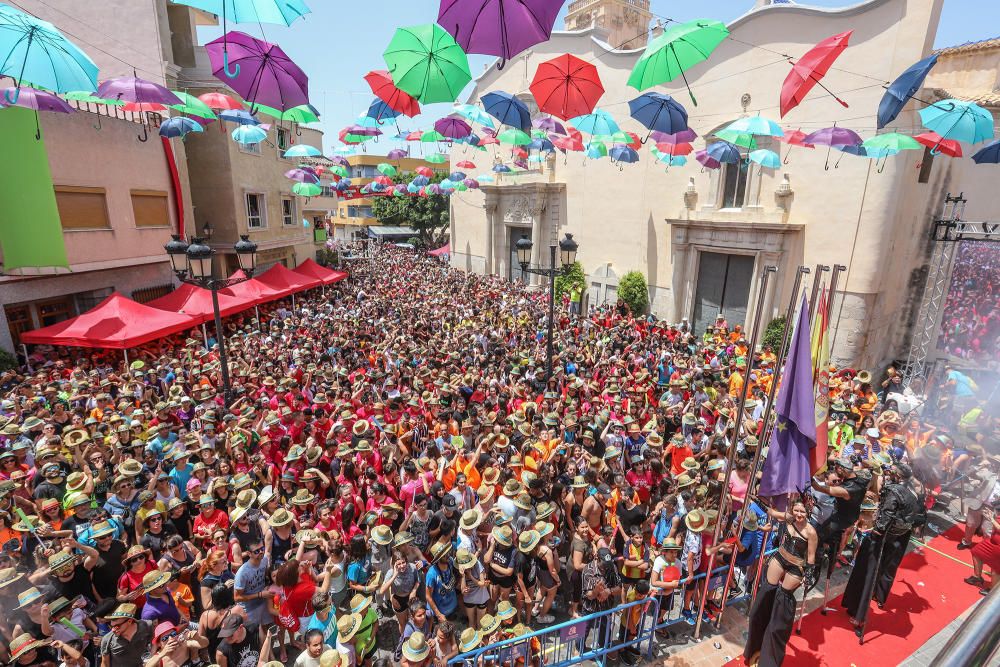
(540, 246)
(489, 260)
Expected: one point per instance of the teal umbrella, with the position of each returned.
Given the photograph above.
(430, 136)
(756, 126)
(765, 158)
(514, 137)
(474, 114)
(248, 135)
(955, 119)
(307, 189)
(33, 52)
(599, 122)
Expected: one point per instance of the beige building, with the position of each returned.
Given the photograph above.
(353, 216)
(626, 22)
(703, 237)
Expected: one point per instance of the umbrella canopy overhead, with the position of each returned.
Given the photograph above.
(809, 69)
(34, 52)
(220, 101)
(903, 89)
(266, 73)
(239, 116)
(452, 127)
(955, 119)
(303, 150)
(988, 154)
(679, 48)
(706, 160)
(248, 135)
(427, 63)
(566, 87)
(598, 122)
(39, 100)
(832, 136)
(660, 112)
(502, 28)
(305, 113)
(765, 158)
(279, 12)
(507, 109)
(179, 126)
(380, 81)
(892, 141)
(134, 89)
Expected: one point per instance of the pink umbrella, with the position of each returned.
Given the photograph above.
(706, 160)
(39, 100)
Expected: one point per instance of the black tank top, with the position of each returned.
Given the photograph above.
(796, 545)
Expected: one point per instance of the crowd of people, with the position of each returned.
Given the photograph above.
(970, 327)
(394, 463)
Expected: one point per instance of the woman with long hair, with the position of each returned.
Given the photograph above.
(773, 612)
(214, 570)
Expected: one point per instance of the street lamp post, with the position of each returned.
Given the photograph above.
(192, 263)
(567, 255)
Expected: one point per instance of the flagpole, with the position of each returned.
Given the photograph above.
(765, 279)
(834, 279)
(817, 280)
(782, 351)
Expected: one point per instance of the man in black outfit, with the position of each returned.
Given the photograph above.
(848, 496)
(902, 509)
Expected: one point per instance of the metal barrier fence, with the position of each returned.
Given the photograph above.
(628, 627)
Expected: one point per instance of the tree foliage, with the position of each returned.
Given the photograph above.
(633, 290)
(774, 333)
(428, 216)
(570, 278)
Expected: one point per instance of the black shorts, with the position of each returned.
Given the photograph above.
(399, 604)
(482, 605)
(500, 580)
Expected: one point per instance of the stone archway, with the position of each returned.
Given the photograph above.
(602, 286)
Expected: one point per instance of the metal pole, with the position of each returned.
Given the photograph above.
(817, 279)
(27, 359)
(977, 638)
(779, 361)
(227, 390)
(765, 278)
(204, 334)
(549, 348)
(834, 279)
(125, 354)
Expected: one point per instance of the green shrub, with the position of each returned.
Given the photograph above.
(773, 334)
(7, 361)
(570, 278)
(634, 292)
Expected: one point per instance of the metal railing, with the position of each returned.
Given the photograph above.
(632, 625)
(977, 639)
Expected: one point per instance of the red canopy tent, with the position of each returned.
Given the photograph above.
(197, 302)
(251, 291)
(116, 323)
(286, 281)
(311, 269)
(443, 250)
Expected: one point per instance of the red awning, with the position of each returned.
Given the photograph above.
(197, 302)
(443, 250)
(311, 269)
(286, 281)
(251, 292)
(116, 323)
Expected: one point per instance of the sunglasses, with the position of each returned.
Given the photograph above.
(257, 551)
(136, 559)
(121, 624)
(168, 636)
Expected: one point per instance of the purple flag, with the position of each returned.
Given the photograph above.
(786, 468)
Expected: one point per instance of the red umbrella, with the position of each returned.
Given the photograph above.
(342, 135)
(794, 138)
(139, 107)
(636, 142)
(519, 153)
(572, 141)
(425, 171)
(414, 136)
(465, 164)
(220, 101)
(566, 87)
(933, 140)
(488, 139)
(384, 180)
(674, 149)
(809, 69)
(380, 81)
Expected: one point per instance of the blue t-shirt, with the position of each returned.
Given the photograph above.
(327, 627)
(359, 572)
(441, 585)
(180, 478)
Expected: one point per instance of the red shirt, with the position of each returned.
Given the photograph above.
(207, 524)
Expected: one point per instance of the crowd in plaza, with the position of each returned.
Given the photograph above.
(970, 327)
(393, 462)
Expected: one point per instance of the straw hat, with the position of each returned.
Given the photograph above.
(415, 648)
(401, 538)
(303, 497)
(544, 510)
(684, 481)
(22, 645)
(76, 437)
(486, 492)
(491, 476)
(154, 579)
(281, 517)
(670, 544)
(28, 526)
(360, 604)
(469, 640)
(331, 657)
(505, 610)
(382, 535)
(26, 597)
(528, 540)
(130, 468)
(504, 535)
(266, 495)
(690, 463)
(439, 551)
(348, 626)
(9, 575)
(489, 624)
(579, 483)
(523, 501)
(465, 559)
(544, 528)
(512, 488)
(471, 519)
(60, 559)
(696, 521)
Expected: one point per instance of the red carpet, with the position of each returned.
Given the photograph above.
(927, 595)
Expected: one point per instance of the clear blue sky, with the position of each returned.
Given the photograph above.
(341, 41)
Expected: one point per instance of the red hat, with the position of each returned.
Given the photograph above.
(164, 628)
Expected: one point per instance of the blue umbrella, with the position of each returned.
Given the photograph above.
(380, 111)
(988, 154)
(902, 89)
(659, 112)
(541, 145)
(456, 176)
(622, 153)
(507, 109)
(500, 169)
(413, 188)
(34, 51)
(420, 181)
(303, 150)
(723, 151)
(178, 126)
(955, 119)
(599, 122)
(473, 113)
(765, 158)
(239, 116)
(248, 135)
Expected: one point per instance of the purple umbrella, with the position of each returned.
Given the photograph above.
(301, 175)
(134, 89)
(521, 164)
(397, 154)
(832, 136)
(682, 137)
(39, 100)
(266, 74)
(501, 28)
(362, 131)
(453, 127)
(549, 124)
(339, 159)
(471, 183)
(706, 160)
(434, 189)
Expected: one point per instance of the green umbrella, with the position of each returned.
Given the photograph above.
(387, 169)
(514, 137)
(192, 106)
(339, 170)
(307, 189)
(436, 158)
(742, 139)
(679, 48)
(426, 62)
(893, 141)
(84, 96)
(431, 136)
(301, 114)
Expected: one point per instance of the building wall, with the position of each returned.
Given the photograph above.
(626, 21)
(658, 221)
